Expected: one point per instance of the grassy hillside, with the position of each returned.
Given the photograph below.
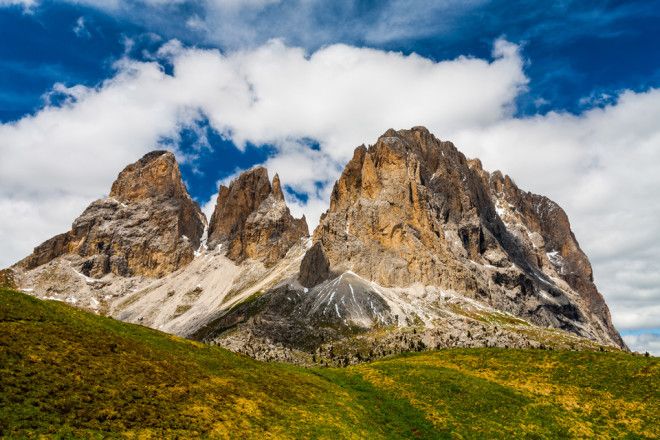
(67, 373)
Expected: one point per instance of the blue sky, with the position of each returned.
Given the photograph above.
(579, 53)
(558, 94)
(578, 49)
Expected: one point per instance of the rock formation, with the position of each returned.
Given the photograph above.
(251, 219)
(412, 209)
(314, 267)
(133, 254)
(147, 226)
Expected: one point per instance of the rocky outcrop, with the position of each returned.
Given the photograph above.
(7, 279)
(251, 219)
(314, 267)
(412, 209)
(147, 226)
(347, 319)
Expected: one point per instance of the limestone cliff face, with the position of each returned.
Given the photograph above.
(412, 209)
(251, 219)
(148, 225)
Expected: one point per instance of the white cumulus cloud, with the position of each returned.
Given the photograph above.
(644, 342)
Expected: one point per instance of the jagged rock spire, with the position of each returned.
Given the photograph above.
(251, 219)
(277, 188)
(235, 203)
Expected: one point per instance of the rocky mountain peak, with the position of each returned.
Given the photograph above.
(148, 225)
(156, 174)
(277, 188)
(413, 209)
(236, 202)
(251, 219)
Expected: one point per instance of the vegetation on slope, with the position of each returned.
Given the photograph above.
(67, 373)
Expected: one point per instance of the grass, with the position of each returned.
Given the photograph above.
(65, 373)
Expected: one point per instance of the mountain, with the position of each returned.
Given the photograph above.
(412, 209)
(420, 248)
(146, 228)
(418, 237)
(144, 254)
(148, 225)
(65, 373)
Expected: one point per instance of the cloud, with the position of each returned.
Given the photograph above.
(234, 24)
(27, 5)
(80, 28)
(644, 342)
(339, 96)
(342, 95)
(314, 108)
(407, 19)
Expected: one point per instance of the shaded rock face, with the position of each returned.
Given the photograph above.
(412, 209)
(303, 320)
(314, 267)
(541, 225)
(251, 219)
(148, 225)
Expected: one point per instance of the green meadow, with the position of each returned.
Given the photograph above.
(66, 373)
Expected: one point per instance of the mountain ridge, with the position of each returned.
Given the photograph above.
(420, 248)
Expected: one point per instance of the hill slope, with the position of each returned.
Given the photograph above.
(65, 372)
